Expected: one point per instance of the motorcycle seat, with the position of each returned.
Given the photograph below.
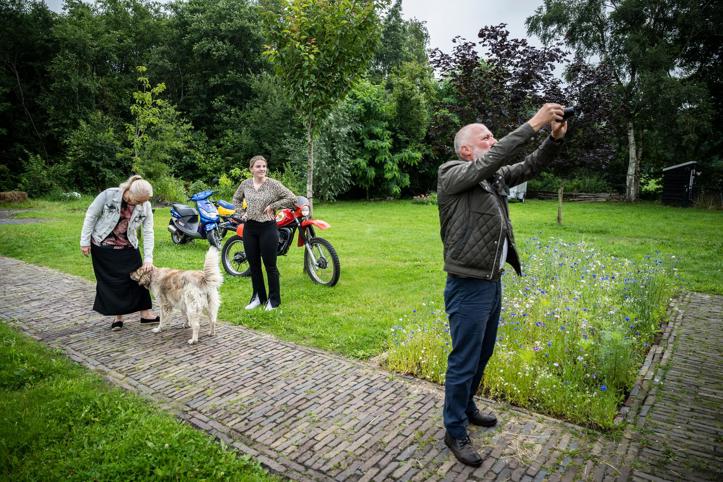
(226, 204)
(184, 210)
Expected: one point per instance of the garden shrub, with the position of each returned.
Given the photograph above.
(41, 179)
(430, 198)
(168, 189)
(228, 183)
(7, 183)
(650, 187)
(93, 155)
(296, 182)
(197, 186)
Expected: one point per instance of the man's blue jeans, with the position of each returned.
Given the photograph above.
(473, 307)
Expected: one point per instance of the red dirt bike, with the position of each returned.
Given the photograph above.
(321, 262)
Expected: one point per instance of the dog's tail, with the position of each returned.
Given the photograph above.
(211, 271)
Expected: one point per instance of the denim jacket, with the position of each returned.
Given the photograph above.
(103, 215)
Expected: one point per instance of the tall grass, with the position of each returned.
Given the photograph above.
(572, 335)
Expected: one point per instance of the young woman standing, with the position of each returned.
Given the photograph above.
(263, 197)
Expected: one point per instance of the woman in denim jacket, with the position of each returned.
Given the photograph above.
(110, 236)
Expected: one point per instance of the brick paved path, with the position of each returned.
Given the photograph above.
(7, 216)
(311, 415)
(680, 426)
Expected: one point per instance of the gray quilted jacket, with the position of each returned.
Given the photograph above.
(472, 201)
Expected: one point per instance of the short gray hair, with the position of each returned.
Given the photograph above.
(460, 139)
(137, 187)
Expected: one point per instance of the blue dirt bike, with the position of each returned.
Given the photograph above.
(208, 222)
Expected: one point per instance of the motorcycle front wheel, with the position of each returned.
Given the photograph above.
(233, 256)
(321, 262)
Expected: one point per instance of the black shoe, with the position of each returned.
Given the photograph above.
(482, 420)
(150, 320)
(463, 450)
(116, 326)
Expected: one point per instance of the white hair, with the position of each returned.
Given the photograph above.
(137, 187)
(461, 138)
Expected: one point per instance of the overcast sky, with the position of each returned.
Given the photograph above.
(447, 18)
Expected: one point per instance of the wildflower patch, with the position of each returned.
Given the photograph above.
(573, 333)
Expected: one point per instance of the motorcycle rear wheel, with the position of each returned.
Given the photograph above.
(233, 256)
(179, 238)
(324, 268)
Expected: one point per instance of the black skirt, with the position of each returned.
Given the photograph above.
(115, 292)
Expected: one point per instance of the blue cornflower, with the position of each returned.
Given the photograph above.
(603, 388)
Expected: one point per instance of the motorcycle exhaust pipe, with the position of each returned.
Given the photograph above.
(172, 228)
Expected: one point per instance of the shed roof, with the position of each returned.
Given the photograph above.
(679, 165)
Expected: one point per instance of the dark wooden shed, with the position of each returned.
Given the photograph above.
(679, 184)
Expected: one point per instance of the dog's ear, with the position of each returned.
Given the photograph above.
(144, 278)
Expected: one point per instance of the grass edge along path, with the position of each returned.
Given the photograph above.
(59, 421)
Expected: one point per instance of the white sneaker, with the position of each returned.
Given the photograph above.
(268, 306)
(254, 303)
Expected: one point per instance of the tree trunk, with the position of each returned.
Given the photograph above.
(639, 155)
(310, 163)
(14, 68)
(632, 180)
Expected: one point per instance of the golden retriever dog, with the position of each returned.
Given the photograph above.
(192, 292)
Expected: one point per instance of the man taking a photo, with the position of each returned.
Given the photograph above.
(478, 240)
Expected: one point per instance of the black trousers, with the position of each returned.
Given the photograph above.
(261, 241)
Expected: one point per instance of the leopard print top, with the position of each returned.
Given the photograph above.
(271, 193)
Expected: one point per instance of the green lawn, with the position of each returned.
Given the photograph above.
(391, 260)
(60, 422)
